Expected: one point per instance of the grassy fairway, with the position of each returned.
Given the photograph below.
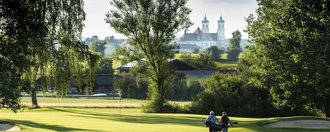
(115, 120)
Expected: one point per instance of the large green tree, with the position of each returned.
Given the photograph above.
(37, 36)
(292, 41)
(234, 47)
(151, 25)
(215, 52)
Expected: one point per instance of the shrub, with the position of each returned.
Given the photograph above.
(149, 107)
(230, 93)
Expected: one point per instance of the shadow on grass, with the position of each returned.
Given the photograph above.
(44, 126)
(173, 119)
(141, 119)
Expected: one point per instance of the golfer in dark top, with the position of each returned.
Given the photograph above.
(225, 122)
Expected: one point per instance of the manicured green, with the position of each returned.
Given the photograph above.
(115, 120)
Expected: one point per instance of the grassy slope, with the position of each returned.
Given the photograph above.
(114, 120)
(223, 64)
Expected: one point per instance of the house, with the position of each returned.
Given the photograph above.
(104, 83)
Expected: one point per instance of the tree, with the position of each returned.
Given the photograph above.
(196, 50)
(105, 66)
(39, 34)
(193, 88)
(131, 85)
(151, 26)
(126, 55)
(293, 38)
(234, 48)
(98, 46)
(215, 52)
(178, 87)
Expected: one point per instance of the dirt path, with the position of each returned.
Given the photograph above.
(8, 127)
(308, 124)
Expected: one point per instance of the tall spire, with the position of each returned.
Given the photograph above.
(221, 31)
(205, 25)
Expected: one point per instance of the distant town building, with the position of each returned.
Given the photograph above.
(203, 39)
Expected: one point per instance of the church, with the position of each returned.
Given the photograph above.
(202, 38)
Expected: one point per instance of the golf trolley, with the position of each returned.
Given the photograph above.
(217, 127)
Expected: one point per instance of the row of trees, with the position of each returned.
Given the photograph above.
(135, 85)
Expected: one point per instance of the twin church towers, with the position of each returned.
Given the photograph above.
(221, 27)
(203, 38)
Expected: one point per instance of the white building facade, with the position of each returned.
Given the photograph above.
(203, 39)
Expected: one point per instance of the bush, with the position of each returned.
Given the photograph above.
(184, 88)
(150, 107)
(230, 93)
(131, 86)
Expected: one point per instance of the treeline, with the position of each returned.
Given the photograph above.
(135, 85)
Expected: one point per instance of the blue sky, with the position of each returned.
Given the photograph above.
(233, 12)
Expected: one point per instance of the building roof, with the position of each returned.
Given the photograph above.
(104, 79)
(199, 35)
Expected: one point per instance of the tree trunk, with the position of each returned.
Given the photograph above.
(34, 98)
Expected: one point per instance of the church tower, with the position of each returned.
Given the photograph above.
(205, 25)
(221, 29)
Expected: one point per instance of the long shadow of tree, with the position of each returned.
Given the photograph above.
(49, 127)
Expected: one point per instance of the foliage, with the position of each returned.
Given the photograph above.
(126, 55)
(98, 46)
(104, 66)
(39, 35)
(203, 61)
(230, 93)
(131, 86)
(234, 48)
(184, 88)
(178, 88)
(292, 40)
(196, 50)
(215, 52)
(193, 88)
(151, 26)
(9, 87)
